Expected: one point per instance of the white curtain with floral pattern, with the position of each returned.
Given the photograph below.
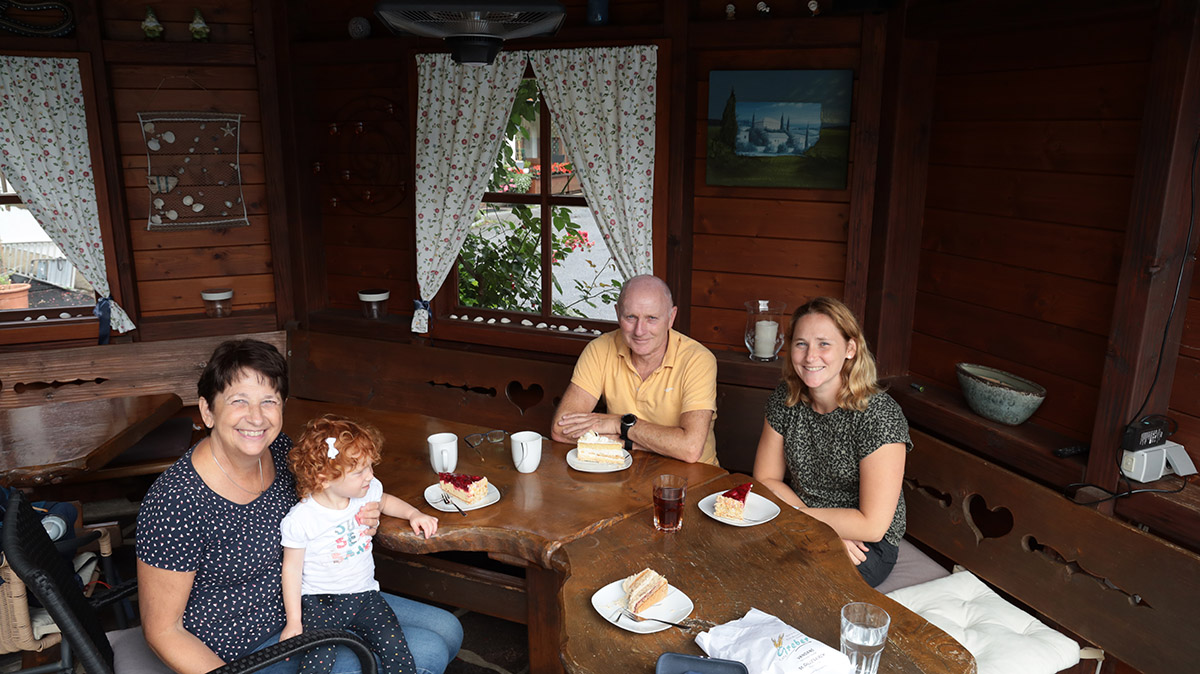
(462, 113)
(603, 100)
(44, 154)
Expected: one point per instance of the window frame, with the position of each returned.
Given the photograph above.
(517, 336)
(14, 329)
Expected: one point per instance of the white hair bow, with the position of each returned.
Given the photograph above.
(333, 451)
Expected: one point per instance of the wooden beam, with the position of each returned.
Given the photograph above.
(895, 246)
(939, 19)
(864, 160)
(1143, 343)
(105, 153)
(272, 50)
(678, 135)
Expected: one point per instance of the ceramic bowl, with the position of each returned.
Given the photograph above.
(997, 395)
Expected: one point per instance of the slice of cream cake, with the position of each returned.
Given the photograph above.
(466, 488)
(595, 448)
(732, 504)
(643, 590)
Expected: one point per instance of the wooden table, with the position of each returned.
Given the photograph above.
(576, 532)
(792, 567)
(46, 444)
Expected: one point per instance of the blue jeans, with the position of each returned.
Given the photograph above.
(434, 636)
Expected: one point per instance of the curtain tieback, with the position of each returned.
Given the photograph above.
(420, 319)
(103, 311)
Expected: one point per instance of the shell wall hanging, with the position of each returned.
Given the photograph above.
(193, 170)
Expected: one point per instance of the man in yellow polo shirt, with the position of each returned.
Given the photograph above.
(660, 386)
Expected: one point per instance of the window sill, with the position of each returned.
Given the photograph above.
(156, 328)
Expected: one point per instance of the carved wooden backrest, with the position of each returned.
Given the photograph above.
(1129, 592)
(84, 373)
(487, 389)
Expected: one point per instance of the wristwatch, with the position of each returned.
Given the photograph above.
(627, 422)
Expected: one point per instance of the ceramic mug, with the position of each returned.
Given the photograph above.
(443, 452)
(526, 450)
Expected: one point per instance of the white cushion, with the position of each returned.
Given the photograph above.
(1003, 638)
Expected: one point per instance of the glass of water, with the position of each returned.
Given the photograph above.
(864, 632)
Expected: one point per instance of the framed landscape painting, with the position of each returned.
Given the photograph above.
(779, 128)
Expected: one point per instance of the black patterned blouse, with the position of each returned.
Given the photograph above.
(823, 450)
(235, 550)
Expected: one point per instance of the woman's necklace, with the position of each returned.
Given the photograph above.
(230, 477)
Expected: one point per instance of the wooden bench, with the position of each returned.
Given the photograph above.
(90, 372)
(1128, 592)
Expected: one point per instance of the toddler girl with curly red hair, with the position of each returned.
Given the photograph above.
(328, 571)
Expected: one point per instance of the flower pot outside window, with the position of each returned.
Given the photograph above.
(14, 296)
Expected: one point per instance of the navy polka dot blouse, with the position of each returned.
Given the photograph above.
(236, 600)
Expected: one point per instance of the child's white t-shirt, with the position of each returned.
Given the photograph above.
(337, 550)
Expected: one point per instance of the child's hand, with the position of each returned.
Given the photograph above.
(291, 630)
(368, 516)
(422, 523)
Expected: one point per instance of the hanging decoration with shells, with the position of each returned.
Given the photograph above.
(193, 170)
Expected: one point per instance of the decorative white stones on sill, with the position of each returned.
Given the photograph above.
(581, 329)
(479, 319)
(540, 325)
(453, 317)
(596, 332)
(491, 321)
(505, 320)
(563, 328)
(64, 315)
(526, 322)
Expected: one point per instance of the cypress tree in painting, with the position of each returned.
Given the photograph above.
(729, 127)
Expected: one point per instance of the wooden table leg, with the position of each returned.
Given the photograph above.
(545, 620)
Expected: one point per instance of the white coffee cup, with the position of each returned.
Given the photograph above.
(443, 452)
(526, 450)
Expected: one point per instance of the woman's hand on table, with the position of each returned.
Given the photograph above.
(368, 516)
(856, 550)
(423, 524)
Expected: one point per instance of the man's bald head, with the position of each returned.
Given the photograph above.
(644, 283)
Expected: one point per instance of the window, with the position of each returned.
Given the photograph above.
(27, 255)
(510, 261)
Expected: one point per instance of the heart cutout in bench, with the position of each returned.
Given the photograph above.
(987, 522)
(524, 398)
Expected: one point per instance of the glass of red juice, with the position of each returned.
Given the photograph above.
(669, 492)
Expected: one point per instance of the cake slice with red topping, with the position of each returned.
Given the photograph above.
(466, 488)
(732, 504)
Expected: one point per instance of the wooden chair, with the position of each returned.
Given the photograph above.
(36, 563)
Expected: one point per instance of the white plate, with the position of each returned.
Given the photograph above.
(433, 496)
(609, 599)
(589, 467)
(758, 509)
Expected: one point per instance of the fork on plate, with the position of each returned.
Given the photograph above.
(637, 618)
(448, 501)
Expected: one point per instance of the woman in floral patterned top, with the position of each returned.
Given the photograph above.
(838, 438)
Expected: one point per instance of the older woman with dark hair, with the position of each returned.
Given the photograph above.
(209, 556)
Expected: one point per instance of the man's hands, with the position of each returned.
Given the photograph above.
(574, 424)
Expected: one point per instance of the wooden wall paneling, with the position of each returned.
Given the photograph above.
(834, 58)
(229, 21)
(1086, 42)
(183, 295)
(1050, 297)
(1155, 256)
(1044, 346)
(958, 19)
(772, 218)
(861, 181)
(1106, 147)
(895, 252)
(167, 78)
(361, 230)
(1080, 92)
(149, 98)
(774, 257)
(1069, 198)
(144, 240)
(1082, 252)
(183, 263)
(747, 32)
(732, 291)
(1069, 407)
(272, 59)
